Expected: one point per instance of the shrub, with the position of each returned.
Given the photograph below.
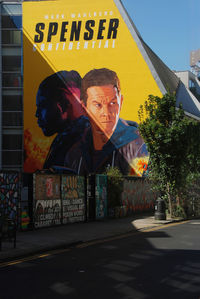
(115, 186)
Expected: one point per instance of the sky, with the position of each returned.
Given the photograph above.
(170, 28)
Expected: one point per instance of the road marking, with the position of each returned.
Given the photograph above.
(89, 243)
(33, 257)
(164, 226)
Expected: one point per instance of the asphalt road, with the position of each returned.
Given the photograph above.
(157, 263)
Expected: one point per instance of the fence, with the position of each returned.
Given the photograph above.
(43, 200)
(62, 199)
(136, 196)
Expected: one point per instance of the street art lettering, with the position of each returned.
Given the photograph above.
(47, 199)
(47, 213)
(73, 205)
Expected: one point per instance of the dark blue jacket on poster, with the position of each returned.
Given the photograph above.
(64, 141)
(123, 150)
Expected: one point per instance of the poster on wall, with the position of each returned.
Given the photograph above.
(47, 200)
(47, 213)
(84, 80)
(73, 194)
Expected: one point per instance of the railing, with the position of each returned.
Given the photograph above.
(8, 230)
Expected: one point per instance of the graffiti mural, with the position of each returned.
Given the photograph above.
(47, 186)
(9, 194)
(25, 219)
(136, 196)
(192, 203)
(101, 196)
(73, 206)
(47, 210)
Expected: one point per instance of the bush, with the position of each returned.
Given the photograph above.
(179, 212)
(115, 186)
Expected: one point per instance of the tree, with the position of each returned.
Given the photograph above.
(172, 144)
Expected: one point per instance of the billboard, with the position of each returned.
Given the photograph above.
(84, 80)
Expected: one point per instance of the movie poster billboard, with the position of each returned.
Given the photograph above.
(84, 80)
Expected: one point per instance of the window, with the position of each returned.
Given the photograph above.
(191, 84)
(10, 158)
(10, 50)
(11, 22)
(12, 119)
(11, 63)
(11, 37)
(12, 102)
(11, 80)
(12, 142)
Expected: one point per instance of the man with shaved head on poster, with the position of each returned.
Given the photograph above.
(59, 111)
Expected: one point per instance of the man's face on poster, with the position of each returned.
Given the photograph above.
(50, 113)
(103, 107)
(55, 111)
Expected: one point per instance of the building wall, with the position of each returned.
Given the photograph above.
(191, 81)
(12, 86)
(184, 76)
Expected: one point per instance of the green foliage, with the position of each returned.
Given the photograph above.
(179, 212)
(115, 186)
(173, 142)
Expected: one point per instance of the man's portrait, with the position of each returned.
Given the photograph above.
(59, 111)
(110, 141)
(102, 99)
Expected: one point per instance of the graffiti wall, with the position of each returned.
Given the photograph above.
(25, 218)
(9, 194)
(73, 199)
(136, 196)
(61, 199)
(192, 203)
(101, 196)
(47, 199)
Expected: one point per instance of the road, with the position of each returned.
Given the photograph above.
(157, 263)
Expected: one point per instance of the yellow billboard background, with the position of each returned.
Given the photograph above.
(43, 59)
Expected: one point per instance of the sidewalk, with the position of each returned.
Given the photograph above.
(40, 240)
